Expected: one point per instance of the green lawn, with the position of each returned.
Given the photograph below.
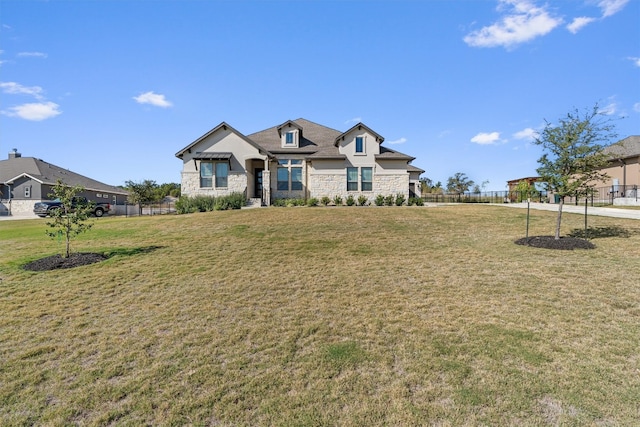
(323, 316)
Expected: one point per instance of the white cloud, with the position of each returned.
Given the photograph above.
(32, 54)
(397, 141)
(153, 99)
(36, 111)
(611, 7)
(523, 23)
(636, 107)
(636, 61)
(579, 23)
(529, 134)
(14, 88)
(486, 138)
(608, 110)
(354, 120)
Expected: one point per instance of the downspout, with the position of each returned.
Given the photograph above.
(9, 196)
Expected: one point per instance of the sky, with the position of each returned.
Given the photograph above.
(113, 89)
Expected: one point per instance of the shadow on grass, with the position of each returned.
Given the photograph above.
(602, 232)
(131, 251)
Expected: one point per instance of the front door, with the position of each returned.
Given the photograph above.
(257, 183)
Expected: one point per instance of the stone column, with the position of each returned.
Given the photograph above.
(266, 185)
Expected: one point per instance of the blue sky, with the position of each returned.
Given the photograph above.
(113, 89)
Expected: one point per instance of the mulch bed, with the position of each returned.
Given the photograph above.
(56, 261)
(550, 242)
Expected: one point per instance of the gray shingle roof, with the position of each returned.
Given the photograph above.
(48, 173)
(628, 147)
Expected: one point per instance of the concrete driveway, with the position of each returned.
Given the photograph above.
(612, 212)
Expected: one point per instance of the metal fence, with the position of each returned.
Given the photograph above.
(127, 209)
(601, 196)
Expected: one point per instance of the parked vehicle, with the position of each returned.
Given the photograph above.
(45, 208)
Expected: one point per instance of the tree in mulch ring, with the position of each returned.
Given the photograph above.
(550, 242)
(56, 262)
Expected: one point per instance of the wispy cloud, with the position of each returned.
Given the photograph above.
(609, 109)
(578, 23)
(486, 138)
(36, 111)
(152, 98)
(524, 21)
(14, 88)
(397, 141)
(636, 61)
(636, 107)
(32, 55)
(528, 134)
(354, 120)
(611, 7)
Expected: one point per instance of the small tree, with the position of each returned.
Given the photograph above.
(459, 183)
(71, 219)
(142, 193)
(573, 155)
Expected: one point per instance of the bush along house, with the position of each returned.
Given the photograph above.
(297, 159)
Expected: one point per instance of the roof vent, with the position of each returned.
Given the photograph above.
(13, 154)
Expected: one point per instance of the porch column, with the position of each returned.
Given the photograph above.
(266, 183)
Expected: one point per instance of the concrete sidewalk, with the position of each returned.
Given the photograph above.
(612, 212)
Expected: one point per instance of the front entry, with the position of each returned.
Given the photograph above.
(257, 185)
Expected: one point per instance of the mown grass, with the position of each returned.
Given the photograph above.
(323, 316)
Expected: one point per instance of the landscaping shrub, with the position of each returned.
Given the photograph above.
(351, 200)
(400, 199)
(417, 201)
(388, 200)
(186, 204)
(337, 200)
(379, 200)
(362, 200)
(325, 200)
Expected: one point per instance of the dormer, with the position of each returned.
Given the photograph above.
(290, 134)
(360, 140)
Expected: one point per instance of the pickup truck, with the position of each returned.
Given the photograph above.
(45, 208)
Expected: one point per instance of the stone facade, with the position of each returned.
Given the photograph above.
(19, 206)
(236, 183)
(336, 185)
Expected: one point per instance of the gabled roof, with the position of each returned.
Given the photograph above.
(628, 147)
(359, 126)
(47, 173)
(289, 124)
(223, 126)
(315, 137)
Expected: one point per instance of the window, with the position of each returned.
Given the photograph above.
(296, 178)
(289, 175)
(359, 144)
(366, 183)
(352, 179)
(283, 179)
(366, 179)
(206, 174)
(27, 192)
(222, 172)
(289, 138)
(209, 169)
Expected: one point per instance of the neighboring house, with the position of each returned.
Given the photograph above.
(27, 180)
(624, 170)
(297, 159)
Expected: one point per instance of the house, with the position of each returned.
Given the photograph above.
(624, 170)
(27, 180)
(296, 159)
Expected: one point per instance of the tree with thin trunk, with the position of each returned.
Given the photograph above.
(71, 218)
(573, 154)
(459, 183)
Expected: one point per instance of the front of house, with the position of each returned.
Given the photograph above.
(297, 159)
